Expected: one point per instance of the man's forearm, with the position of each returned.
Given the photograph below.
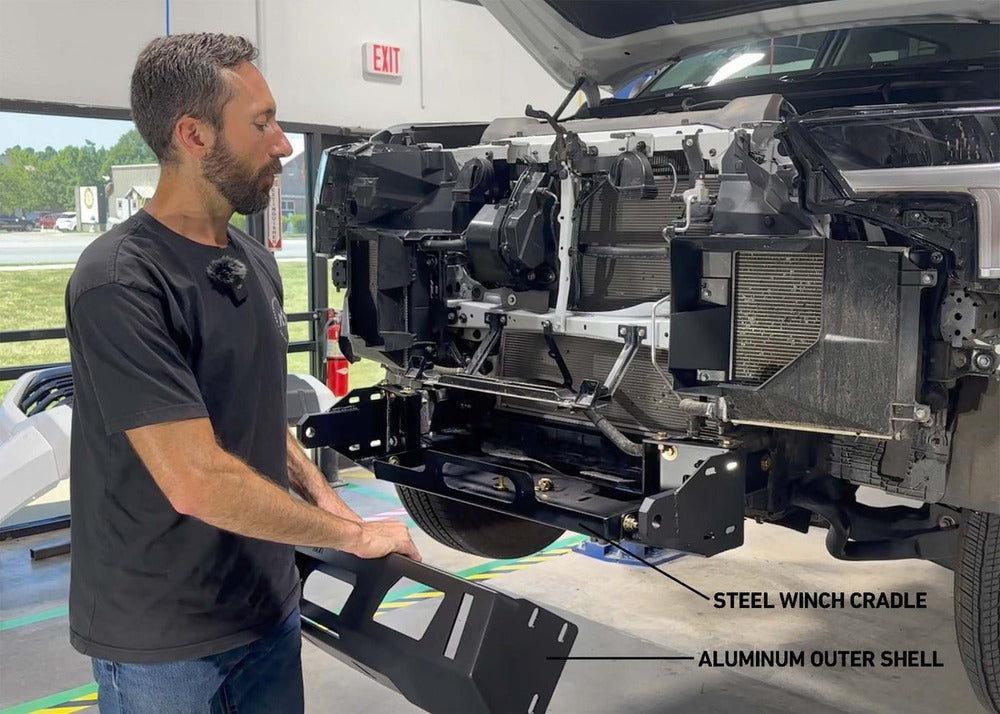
(309, 482)
(236, 498)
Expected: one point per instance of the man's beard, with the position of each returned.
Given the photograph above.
(242, 187)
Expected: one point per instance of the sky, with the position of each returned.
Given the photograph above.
(37, 131)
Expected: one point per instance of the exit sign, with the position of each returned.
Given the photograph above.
(382, 60)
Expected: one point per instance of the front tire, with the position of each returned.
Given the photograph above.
(977, 605)
(475, 530)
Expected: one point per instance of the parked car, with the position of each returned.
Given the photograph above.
(16, 223)
(47, 221)
(769, 278)
(66, 221)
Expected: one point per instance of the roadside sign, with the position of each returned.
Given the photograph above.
(272, 217)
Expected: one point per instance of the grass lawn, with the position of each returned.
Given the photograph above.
(33, 299)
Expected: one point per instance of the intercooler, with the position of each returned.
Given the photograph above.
(643, 400)
(778, 304)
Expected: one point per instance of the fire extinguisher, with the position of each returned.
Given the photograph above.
(337, 366)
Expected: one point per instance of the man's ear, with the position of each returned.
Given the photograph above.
(194, 137)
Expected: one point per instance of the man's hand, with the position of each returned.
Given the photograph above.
(383, 537)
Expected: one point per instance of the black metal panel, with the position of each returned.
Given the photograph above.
(699, 339)
(507, 655)
(705, 514)
(512, 487)
(366, 423)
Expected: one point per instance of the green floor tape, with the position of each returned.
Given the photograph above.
(52, 700)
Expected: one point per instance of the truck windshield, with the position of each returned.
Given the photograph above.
(834, 49)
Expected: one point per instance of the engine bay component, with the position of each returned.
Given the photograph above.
(720, 283)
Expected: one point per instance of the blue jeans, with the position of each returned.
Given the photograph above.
(264, 676)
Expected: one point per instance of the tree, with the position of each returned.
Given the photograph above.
(17, 168)
(130, 149)
(48, 179)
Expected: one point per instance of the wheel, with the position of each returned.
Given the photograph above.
(475, 530)
(977, 605)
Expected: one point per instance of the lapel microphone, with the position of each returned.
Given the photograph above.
(227, 275)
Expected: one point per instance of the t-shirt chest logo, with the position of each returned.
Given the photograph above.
(280, 319)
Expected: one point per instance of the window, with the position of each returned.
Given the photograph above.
(795, 53)
(917, 43)
(856, 47)
(292, 256)
(68, 179)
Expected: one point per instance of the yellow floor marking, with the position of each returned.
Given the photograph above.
(506, 568)
(394, 605)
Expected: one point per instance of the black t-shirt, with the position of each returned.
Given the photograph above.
(151, 341)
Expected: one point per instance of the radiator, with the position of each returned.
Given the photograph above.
(609, 218)
(643, 399)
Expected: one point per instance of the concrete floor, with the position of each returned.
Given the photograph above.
(620, 611)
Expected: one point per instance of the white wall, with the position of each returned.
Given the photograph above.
(82, 51)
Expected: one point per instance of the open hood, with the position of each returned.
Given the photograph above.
(612, 41)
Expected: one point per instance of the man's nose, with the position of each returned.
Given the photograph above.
(283, 145)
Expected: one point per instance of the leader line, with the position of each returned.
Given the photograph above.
(615, 658)
(646, 562)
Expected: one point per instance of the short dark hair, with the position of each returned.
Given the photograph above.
(183, 75)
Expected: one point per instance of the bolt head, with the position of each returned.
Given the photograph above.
(668, 452)
(926, 279)
(921, 413)
(642, 332)
(512, 299)
(983, 361)
(622, 331)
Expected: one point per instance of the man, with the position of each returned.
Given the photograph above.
(183, 587)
